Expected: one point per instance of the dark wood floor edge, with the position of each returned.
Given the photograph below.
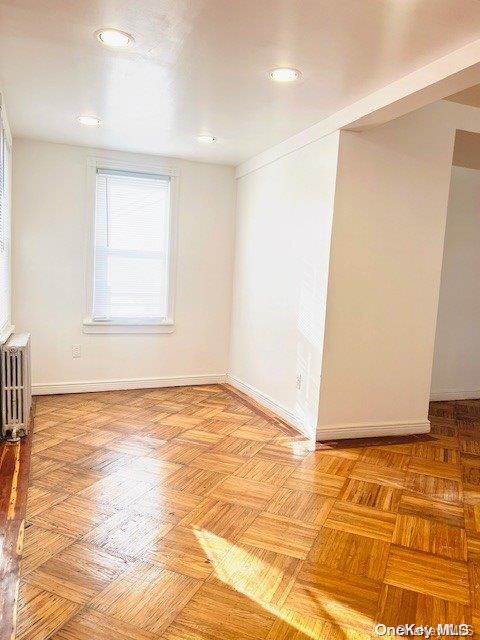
(14, 476)
(262, 411)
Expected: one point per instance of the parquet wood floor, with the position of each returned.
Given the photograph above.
(188, 514)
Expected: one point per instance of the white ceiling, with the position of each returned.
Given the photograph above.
(200, 66)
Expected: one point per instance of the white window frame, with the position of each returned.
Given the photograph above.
(135, 326)
(8, 328)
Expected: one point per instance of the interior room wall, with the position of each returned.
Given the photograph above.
(284, 218)
(49, 263)
(385, 266)
(456, 367)
(466, 152)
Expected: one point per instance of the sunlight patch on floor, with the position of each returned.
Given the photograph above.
(259, 581)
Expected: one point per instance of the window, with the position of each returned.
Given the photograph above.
(132, 257)
(5, 320)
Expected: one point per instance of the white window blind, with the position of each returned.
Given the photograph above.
(4, 229)
(132, 240)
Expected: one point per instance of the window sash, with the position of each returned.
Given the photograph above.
(156, 293)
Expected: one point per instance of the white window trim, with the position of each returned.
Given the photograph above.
(6, 333)
(7, 330)
(135, 326)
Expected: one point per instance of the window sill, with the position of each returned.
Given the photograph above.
(91, 326)
(6, 333)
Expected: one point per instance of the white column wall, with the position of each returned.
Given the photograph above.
(385, 266)
(284, 218)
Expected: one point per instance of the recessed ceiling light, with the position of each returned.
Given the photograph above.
(206, 139)
(115, 38)
(284, 74)
(89, 121)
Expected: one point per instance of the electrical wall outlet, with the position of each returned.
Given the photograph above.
(76, 351)
(299, 381)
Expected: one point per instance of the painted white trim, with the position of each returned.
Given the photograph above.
(336, 432)
(4, 119)
(91, 326)
(40, 389)
(7, 329)
(267, 402)
(112, 161)
(434, 81)
(6, 333)
(455, 394)
(372, 430)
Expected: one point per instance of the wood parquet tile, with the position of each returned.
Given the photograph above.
(361, 520)
(397, 605)
(435, 537)
(78, 572)
(67, 451)
(39, 545)
(325, 593)
(264, 576)
(302, 506)
(428, 573)
(432, 508)
(39, 466)
(446, 470)
(188, 564)
(192, 513)
(89, 625)
(210, 614)
(220, 518)
(71, 479)
(350, 553)
(314, 480)
(222, 462)
(146, 596)
(432, 486)
(370, 494)
(266, 471)
(74, 517)
(429, 451)
(244, 491)
(41, 613)
(384, 476)
(40, 499)
(294, 626)
(278, 533)
(127, 534)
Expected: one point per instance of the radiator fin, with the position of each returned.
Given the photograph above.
(15, 388)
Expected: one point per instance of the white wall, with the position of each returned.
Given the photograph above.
(456, 368)
(386, 256)
(50, 218)
(284, 217)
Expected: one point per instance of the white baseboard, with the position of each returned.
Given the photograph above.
(455, 394)
(267, 402)
(334, 432)
(39, 389)
(371, 430)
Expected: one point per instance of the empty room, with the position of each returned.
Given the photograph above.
(239, 319)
